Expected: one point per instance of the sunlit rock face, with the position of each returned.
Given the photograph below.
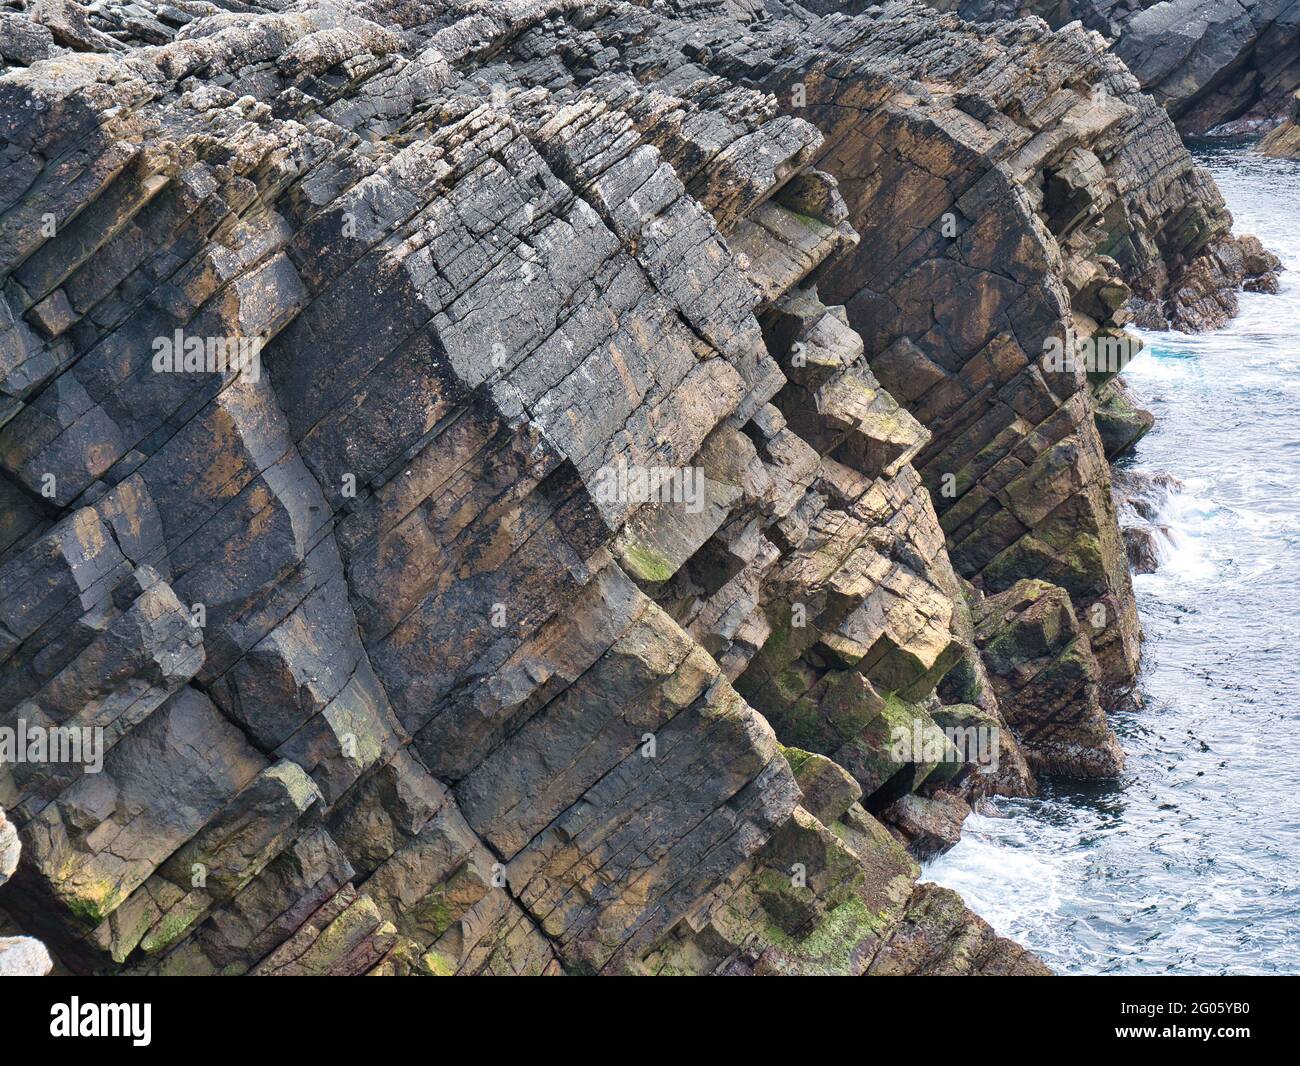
(1222, 66)
(554, 487)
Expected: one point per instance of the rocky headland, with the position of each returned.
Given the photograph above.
(657, 482)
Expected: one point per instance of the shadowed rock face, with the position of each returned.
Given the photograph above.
(555, 582)
(1227, 65)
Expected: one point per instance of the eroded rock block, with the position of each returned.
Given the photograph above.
(1039, 657)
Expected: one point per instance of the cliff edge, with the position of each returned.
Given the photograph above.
(561, 486)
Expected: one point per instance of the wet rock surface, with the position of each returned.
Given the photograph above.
(1139, 500)
(644, 469)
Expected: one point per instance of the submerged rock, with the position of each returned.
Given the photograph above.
(1140, 499)
(1143, 547)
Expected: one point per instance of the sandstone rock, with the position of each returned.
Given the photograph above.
(939, 937)
(1120, 422)
(1143, 547)
(24, 42)
(828, 789)
(10, 847)
(837, 900)
(69, 24)
(1284, 140)
(928, 825)
(20, 956)
(995, 762)
(1213, 63)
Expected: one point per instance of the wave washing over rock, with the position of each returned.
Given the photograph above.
(545, 487)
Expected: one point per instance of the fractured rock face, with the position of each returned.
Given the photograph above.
(1040, 659)
(1216, 65)
(471, 470)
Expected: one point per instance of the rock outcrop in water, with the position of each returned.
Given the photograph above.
(1223, 66)
(1284, 141)
(548, 486)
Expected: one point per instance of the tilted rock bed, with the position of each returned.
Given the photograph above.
(1284, 141)
(1217, 66)
(390, 679)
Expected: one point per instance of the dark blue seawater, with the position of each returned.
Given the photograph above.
(1191, 863)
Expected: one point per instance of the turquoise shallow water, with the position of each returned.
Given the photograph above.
(1191, 863)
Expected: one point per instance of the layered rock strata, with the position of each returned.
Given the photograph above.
(1217, 66)
(470, 472)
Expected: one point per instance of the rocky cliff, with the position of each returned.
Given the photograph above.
(1228, 66)
(1284, 141)
(561, 486)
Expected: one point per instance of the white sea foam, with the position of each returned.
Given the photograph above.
(1180, 866)
(1012, 884)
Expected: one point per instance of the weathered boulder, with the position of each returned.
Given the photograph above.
(10, 848)
(20, 956)
(23, 956)
(928, 825)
